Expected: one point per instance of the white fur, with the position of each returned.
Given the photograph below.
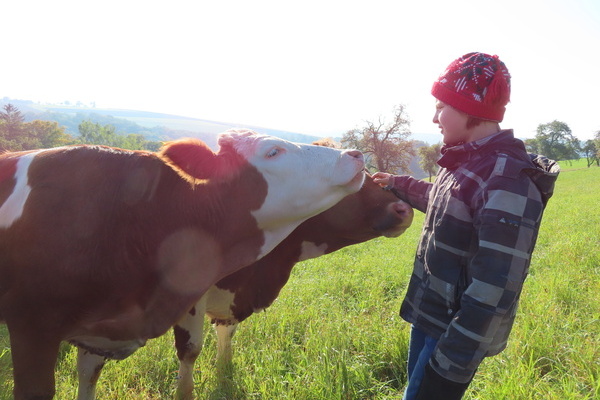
(224, 335)
(195, 327)
(219, 302)
(12, 209)
(333, 175)
(311, 250)
(88, 365)
(120, 349)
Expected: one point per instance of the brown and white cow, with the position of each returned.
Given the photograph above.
(107, 248)
(369, 213)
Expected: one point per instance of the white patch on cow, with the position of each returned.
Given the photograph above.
(12, 209)
(88, 370)
(333, 175)
(192, 322)
(219, 302)
(224, 335)
(273, 237)
(115, 349)
(311, 250)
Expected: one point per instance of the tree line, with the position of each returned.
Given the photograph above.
(16, 134)
(387, 145)
(556, 141)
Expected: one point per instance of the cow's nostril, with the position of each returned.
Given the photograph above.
(401, 208)
(355, 154)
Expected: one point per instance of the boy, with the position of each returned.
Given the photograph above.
(482, 218)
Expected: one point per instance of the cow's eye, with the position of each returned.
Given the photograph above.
(273, 152)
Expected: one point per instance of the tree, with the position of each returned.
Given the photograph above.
(93, 133)
(429, 155)
(11, 123)
(590, 151)
(135, 141)
(386, 146)
(16, 135)
(531, 145)
(48, 134)
(555, 140)
(106, 135)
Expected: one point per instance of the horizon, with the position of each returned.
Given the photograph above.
(428, 138)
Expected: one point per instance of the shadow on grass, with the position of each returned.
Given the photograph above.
(227, 387)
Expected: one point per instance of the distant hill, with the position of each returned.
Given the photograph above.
(164, 127)
(155, 126)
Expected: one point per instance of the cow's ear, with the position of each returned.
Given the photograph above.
(191, 158)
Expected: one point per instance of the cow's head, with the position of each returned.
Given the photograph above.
(364, 215)
(369, 213)
(302, 180)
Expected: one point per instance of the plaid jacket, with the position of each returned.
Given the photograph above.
(482, 218)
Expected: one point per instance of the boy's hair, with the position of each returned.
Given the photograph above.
(472, 122)
(477, 84)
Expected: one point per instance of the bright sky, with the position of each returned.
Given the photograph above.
(316, 67)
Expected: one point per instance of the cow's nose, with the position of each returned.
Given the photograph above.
(402, 209)
(355, 154)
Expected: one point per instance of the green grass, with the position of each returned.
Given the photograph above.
(335, 333)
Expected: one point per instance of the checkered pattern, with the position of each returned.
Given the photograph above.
(482, 218)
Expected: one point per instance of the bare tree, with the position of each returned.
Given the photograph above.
(385, 145)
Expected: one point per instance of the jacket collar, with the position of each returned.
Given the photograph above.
(542, 171)
(454, 156)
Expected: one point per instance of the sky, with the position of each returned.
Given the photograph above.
(315, 67)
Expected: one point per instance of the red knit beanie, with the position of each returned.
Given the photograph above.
(477, 84)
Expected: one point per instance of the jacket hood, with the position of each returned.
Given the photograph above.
(544, 174)
(542, 170)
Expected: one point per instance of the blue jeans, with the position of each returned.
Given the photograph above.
(419, 352)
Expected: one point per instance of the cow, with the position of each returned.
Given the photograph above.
(369, 213)
(107, 248)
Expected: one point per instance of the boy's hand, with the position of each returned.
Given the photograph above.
(383, 179)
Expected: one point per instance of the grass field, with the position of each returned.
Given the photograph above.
(335, 333)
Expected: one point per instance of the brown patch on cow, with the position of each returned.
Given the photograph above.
(182, 339)
(8, 168)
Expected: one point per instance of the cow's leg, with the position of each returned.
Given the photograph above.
(189, 337)
(89, 367)
(34, 355)
(224, 351)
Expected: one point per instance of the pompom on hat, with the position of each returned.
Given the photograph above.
(477, 84)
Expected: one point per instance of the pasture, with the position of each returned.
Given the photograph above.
(335, 333)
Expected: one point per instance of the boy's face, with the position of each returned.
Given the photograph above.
(452, 122)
